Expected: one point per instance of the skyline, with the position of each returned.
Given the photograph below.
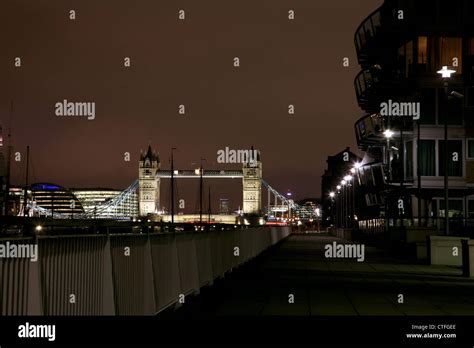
(190, 65)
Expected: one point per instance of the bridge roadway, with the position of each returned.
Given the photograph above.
(330, 286)
(206, 174)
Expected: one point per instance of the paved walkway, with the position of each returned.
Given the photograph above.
(323, 286)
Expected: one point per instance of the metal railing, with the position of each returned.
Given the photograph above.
(367, 30)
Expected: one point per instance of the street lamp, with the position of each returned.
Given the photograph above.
(344, 206)
(388, 133)
(350, 197)
(332, 194)
(200, 193)
(288, 194)
(446, 73)
(172, 187)
(338, 207)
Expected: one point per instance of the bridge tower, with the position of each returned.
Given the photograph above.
(148, 183)
(252, 183)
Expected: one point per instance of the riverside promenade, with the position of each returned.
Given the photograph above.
(294, 278)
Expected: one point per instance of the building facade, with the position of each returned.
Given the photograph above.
(54, 199)
(3, 176)
(418, 123)
(95, 203)
(338, 166)
(252, 186)
(149, 184)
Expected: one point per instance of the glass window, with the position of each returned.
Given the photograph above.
(409, 58)
(422, 53)
(450, 52)
(470, 208)
(470, 46)
(409, 159)
(470, 148)
(455, 207)
(449, 11)
(427, 157)
(427, 106)
(455, 158)
(405, 59)
(444, 51)
(452, 107)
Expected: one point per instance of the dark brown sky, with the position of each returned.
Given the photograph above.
(174, 62)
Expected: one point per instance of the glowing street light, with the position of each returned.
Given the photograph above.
(388, 133)
(353, 170)
(446, 75)
(331, 194)
(445, 72)
(357, 165)
(343, 182)
(348, 178)
(338, 187)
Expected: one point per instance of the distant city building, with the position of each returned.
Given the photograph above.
(54, 198)
(252, 186)
(95, 203)
(15, 200)
(338, 166)
(407, 103)
(149, 184)
(308, 208)
(224, 208)
(3, 176)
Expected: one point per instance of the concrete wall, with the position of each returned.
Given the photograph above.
(125, 274)
(469, 258)
(446, 250)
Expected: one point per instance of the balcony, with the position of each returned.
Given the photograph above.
(366, 85)
(369, 131)
(365, 35)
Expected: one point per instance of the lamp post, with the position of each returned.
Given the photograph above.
(356, 174)
(446, 75)
(348, 179)
(200, 194)
(388, 134)
(339, 218)
(172, 186)
(344, 205)
(288, 194)
(331, 195)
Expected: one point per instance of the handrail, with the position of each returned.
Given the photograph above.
(364, 80)
(362, 28)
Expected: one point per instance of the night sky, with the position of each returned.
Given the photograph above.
(177, 62)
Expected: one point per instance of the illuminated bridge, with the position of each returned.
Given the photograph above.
(145, 191)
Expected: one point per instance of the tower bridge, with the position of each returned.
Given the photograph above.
(145, 191)
(150, 176)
